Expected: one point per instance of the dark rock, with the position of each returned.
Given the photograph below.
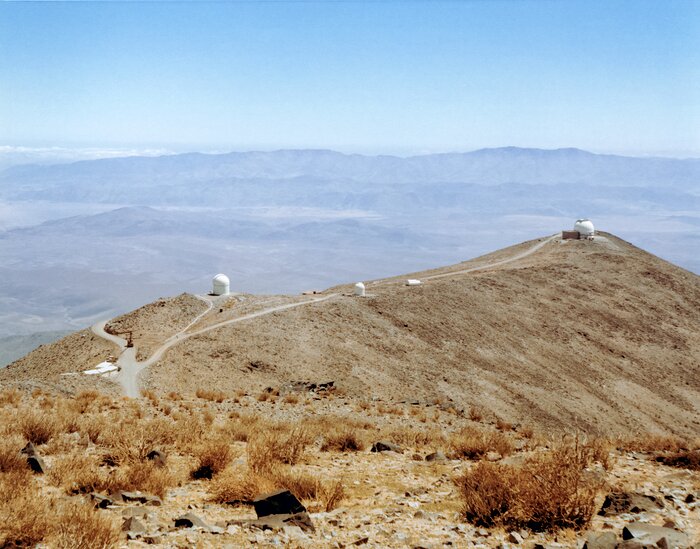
(690, 498)
(282, 502)
(152, 539)
(190, 520)
(138, 497)
(650, 534)
(386, 447)
(600, 540)
(617, 503)
(100, 501)
(36, 464)
(157, 457)
(436, 456)
(133, 526)
(361, 541)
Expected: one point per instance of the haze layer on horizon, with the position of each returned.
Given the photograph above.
(369, 77)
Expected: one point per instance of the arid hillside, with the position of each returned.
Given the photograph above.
(595, 335)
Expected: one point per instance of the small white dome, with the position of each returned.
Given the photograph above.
(584, 227)
(221, 284)
(360, 289)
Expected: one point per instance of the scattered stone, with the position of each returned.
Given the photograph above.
(493, 456)
(190, 520)
(600, 540)
(152, 539)
(138, 512)
(282, 502)
(361, 541)
(515, 537)
(690, 498)
(278, 522)
(436, 456)
(100, 501)
(157, 457)
(417, 457)
(138, 497)
(386, 447)
(617, 503)
(133, 526)
(34, 461)
(650, 534)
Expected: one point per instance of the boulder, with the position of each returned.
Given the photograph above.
(515, 537)
(282, 502)
(617, 503)
(190, 520)
(34, 461)
(133, 526)
(600, 540)
(100, 501)
(436, 456)
(650, 534)
(386, 447)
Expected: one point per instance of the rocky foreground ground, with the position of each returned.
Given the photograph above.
(188, 470)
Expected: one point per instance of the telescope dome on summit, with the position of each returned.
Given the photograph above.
(221, 285)
(584, 227)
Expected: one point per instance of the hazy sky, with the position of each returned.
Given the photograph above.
(396, 77)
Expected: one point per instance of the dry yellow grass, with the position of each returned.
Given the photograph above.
(212, 395)
(213, 456)
(550, 491)
(472, 443)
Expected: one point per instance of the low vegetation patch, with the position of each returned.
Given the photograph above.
(550, 491)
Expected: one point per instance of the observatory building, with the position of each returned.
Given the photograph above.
(221, 285)
(583, 228)
(360, 289)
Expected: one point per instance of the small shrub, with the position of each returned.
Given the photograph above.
(291, 399)
(268, 448)
(476, 414)
(342, 441)
(212, 458)
(684, 459)
(333, 494)
(38, 427)
(502, 425)
(471, 443)
(214, 396)
(550, 491)
(653, 443)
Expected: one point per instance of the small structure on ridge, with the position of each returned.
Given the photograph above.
(220, 285)
(360, 289)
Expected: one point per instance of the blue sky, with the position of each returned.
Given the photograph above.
(371, 77)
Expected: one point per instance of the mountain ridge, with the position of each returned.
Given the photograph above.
(594, 335)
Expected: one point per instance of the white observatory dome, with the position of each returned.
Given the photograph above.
(360, 289)
(584, 227)
(221, 285)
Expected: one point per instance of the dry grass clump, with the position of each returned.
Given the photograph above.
(414, 438)
(476, 413)
(652, 443)
(471, 443)
(550, 491)
(37, 426)
(10, 397)
(239, 486)
(274, 446)
(343, 440)
(291, 399)
(128, 441)
(29, 519)
(503, 425)
(80, 474)
(10, 457)
(684, 459)
(213, 396)
(212, 458)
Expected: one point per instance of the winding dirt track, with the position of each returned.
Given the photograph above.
(130, 368)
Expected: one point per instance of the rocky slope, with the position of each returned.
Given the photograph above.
(593, 335)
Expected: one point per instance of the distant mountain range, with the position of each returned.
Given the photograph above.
(90, 239)
(254, 176)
